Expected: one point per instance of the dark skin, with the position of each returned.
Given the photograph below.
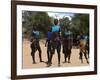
(55, 45)
(34, 47)
(67, 46)
(83, 51)
(49, 51)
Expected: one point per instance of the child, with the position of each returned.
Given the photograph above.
(48, 44)
(35, 45)
(55, 41)
(67, 44)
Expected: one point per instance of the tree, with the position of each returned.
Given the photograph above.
(27, 21)
(40, 20)
(80, 23)
(65, 22)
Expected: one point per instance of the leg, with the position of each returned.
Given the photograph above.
(65, 54)
(33, 53)
(39, 50)
(81, 56)
(58, 59)
(69, 54)
(58, 51)
(63, 49)
(52, 53)
(33, 56)
(85, 55)
(50, 57)
(47, 55)
(48, 52)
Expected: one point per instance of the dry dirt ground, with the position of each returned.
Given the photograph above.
(27, 59)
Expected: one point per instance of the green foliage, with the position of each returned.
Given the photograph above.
(40, 20)
(80, 24)
(64, 22)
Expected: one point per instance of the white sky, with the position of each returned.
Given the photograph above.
(61, 15)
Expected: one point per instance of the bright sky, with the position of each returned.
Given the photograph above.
(61, 15)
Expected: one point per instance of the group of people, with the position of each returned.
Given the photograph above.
(55, 38)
